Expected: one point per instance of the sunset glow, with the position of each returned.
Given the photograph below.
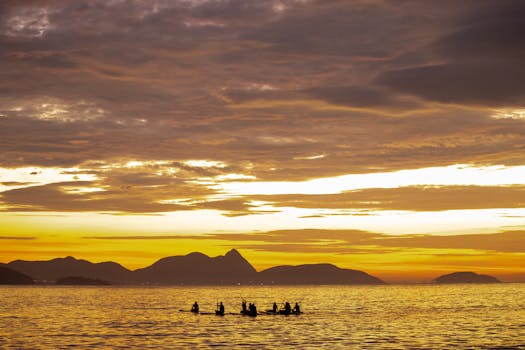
(375, 135)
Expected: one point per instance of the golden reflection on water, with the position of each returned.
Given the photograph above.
(380, 317)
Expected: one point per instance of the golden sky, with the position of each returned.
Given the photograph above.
(386, 136)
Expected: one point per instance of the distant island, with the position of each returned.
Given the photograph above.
(192, 269)
(81, 281)
(10, 276)
(465, 277)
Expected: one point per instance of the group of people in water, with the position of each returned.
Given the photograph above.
(251, 309)
(288, 308)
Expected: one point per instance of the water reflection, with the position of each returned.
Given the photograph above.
(380, 317)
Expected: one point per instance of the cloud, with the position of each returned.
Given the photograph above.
(163, 186)
(15, 183)
(480, 56)
(311, 248)
(354, 241)
(129, 187)
(472, 83)
(90, 84)
(511, 241)
(361, 97)
(135, 237)
(331, 28)
(53, 198)
(412, 198)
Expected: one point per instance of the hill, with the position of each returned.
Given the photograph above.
(465, 277)
(54, 269)
(315, 274)
(10, 276)
(192, 269)
(197, 268)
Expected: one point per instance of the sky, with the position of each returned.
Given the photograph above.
(385, 136)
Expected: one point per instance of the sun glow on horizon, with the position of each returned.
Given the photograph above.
(452, 175)
(265, 215)
(133, 130)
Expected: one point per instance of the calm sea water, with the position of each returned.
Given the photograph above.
(381, 317)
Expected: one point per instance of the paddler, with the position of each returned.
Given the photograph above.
(253, 309)
(195, 308)
(287, 308)
(297, 308)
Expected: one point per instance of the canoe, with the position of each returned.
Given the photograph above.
(248, 313)
(284, 312)
(192, 311)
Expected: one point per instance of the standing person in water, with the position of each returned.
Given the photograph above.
(195, 307)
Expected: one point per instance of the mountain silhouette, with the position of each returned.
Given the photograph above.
(10, 276)
(465, 277)
(192, 269)
(197, 268)
(81, 281)
(315, 274)
(52, 270)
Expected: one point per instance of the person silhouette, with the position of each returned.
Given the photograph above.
(287, 308)
(297, 308)
(253, 309)
(220, 309)
(195, 307)
(274, 308)
(243, 306)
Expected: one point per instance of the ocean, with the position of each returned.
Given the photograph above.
(335, 317)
